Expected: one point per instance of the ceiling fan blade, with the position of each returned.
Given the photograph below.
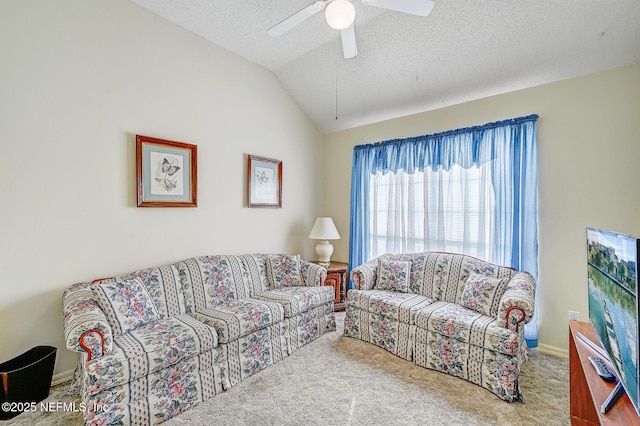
(349, 47)
(293, 20)
(412, 7)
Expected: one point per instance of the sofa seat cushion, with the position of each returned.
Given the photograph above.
(146, 349)
(241, 317)
(465, 325)
(389, 304)
(295, 300)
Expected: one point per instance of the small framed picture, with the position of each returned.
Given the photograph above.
(166, 173)
(264, 183)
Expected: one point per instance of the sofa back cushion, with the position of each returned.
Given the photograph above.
(483, 294)
(283, 271)
(126, 304)
(442, 276)
(422, 276)
(394, 275)
(453, 270)
(257, 271)
(267, 271)
(163, 285)
(212, 280)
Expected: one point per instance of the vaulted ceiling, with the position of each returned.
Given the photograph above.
(464, 50)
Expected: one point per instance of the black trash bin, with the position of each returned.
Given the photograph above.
(25, 379)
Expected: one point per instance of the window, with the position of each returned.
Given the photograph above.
(470, 191)
(444, 210)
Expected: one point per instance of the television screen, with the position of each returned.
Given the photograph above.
(613, 303)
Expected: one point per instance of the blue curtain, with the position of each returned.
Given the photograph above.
(510, 146)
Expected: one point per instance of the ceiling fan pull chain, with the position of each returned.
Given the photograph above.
(336, 90)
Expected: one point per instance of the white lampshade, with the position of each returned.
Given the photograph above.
(324, 229)
(340, 14)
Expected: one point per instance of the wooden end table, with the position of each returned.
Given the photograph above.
(337, 277)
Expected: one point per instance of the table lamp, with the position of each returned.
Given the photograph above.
(324, 230)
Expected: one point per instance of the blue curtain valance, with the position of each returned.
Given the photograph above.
(467, 147)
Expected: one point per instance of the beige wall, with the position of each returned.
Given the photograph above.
(588, 167)
(78, 79)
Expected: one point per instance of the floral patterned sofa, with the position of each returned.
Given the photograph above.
(157, 341)
(448, 312)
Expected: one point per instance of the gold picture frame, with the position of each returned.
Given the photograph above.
(264, 182)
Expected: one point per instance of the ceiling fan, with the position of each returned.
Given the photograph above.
(341, 14)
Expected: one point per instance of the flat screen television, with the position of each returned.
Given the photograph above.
(612, 261)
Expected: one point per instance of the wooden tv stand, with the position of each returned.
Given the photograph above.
(587, 391)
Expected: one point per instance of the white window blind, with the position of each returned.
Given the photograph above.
(445, 210)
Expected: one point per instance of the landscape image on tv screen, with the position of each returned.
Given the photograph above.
(613, 305)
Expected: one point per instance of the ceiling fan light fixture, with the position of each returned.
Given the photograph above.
(340, 14)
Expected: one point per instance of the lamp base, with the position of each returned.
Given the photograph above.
(324, 250)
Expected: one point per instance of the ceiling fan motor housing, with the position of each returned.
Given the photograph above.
(340, 14)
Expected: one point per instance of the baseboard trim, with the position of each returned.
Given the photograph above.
(60, 378)
(553, 350)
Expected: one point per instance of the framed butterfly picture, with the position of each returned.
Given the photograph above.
(166, 173)
(264, 182)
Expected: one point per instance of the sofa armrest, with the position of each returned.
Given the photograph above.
(312, 273)
(86, 328)
(518, 301)
(364, 276)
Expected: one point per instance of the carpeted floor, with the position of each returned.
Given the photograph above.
(338, 380)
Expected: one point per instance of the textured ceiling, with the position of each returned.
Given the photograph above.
(463, 50)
